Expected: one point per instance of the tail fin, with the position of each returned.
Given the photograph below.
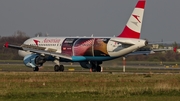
(133, 26)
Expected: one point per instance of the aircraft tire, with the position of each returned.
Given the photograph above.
(61, 68)
(94, 70)
(36, 69)
(56, 68)
(98, 68)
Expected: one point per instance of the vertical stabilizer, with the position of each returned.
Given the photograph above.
(134, 24)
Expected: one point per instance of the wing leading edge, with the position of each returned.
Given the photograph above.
(38, 50)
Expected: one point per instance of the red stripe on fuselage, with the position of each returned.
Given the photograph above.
(141, 4)
(128, 33)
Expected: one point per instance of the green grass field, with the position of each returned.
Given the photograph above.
(18, 85)
(41, 86)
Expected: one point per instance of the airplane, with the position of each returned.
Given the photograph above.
(90, 52)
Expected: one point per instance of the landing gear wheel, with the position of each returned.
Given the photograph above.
(36, 69)
(94, 70)
(56, 68)
(61, 68)
(95, 65)
(98, 68)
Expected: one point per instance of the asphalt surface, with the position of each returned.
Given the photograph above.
(130, 68)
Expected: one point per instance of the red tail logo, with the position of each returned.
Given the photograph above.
(137, 18)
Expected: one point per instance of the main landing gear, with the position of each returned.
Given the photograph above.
(95, 66)
(58, 68)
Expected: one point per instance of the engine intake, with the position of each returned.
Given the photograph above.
(34, 60)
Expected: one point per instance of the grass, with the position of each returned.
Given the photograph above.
(57, 86)
(76, 86)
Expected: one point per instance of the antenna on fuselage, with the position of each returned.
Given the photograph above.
(46, 34)
(92, 35)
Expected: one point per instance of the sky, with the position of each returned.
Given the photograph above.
(87, 17)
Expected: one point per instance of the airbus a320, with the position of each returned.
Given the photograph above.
(90, 52)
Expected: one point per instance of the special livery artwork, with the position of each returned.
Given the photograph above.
(85, 46)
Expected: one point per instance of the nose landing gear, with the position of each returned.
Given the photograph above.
(36, 69)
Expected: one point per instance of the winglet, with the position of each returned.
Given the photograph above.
(133, 26)
(6, 45)
(175, 49)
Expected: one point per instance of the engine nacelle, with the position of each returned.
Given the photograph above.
(33, 60)
(86, 65)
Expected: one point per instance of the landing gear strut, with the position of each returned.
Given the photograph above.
(58, 68)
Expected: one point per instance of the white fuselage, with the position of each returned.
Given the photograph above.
(86, 46)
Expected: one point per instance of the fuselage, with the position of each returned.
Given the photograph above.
(86, 48)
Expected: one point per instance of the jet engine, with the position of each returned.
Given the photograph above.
(34, 60)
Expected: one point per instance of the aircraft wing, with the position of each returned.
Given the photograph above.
(44, 52)
(12, 46)
(39, 50)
